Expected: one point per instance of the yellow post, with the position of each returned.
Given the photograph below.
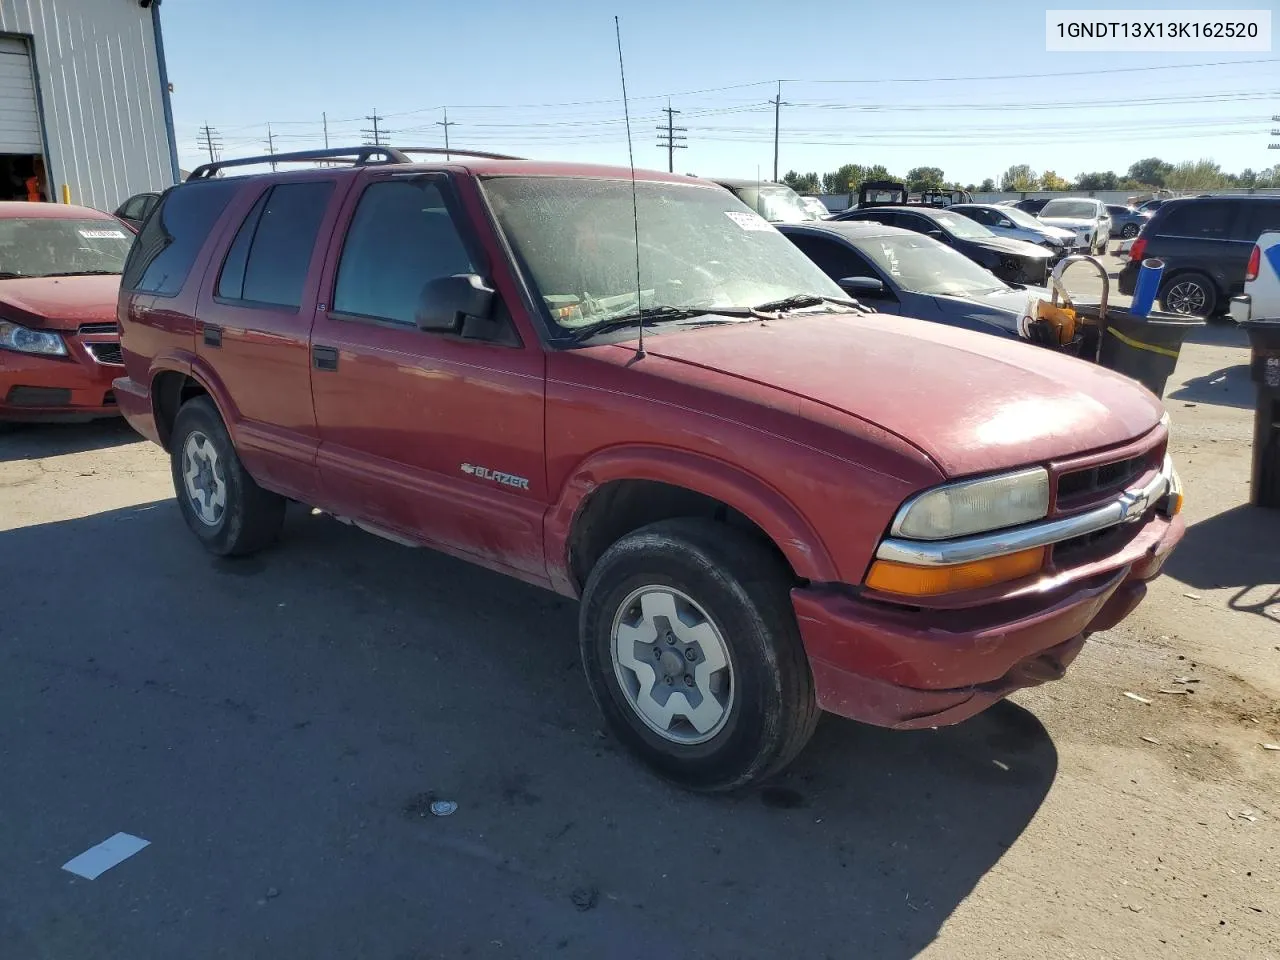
(66, 193)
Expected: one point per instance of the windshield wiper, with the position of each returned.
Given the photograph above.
(84, 273)
(664, 314)
(802, 300)
(10, 275)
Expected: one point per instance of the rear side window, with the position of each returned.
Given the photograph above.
(1208, 220)
(401, 236)
(268, 259)
(832, 257)
(1259, 217)
(166, 248)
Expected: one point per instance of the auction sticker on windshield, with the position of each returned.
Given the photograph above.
(101, 234)
(748, 221)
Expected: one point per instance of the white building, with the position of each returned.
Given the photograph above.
(84, 101)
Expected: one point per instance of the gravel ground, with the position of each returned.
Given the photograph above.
(277, 728)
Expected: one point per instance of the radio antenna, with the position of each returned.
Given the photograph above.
(635, 207)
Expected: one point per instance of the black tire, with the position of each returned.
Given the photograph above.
(251, 517)
(1191, 294)
(1129, 231)
(744, 589)
(1102, 252)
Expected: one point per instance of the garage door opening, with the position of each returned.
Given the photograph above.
(22, 167)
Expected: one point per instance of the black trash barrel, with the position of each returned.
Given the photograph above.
(1145, 348)
(1264, 366)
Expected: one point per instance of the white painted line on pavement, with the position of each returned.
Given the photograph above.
(96, 861)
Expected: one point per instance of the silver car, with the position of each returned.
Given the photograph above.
(1084, 216)
(1018, 224)
(1126, 221)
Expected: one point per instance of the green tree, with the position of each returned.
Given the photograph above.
(1051, 181)
(878, 172)
(1269, 176)
(803, 182)
(843, 180)
(987, 186)
(1248, 178)
(1151, 172)
(1098, 181)
(1195, 175)
(1019, 177)
(924, 178)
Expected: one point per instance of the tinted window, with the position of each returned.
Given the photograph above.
(979, 215)
(166, 248)
(909, 221)
(1260, 216)
(1117, 211)
(832, 257)
(1073, 209)
(132, 209)
(1209, 220)
(268, 259)
(400, 237)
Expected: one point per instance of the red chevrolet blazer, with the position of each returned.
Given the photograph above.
(775, 504)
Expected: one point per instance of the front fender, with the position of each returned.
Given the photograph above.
(793, 534)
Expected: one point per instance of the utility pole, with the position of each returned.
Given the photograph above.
(271, 146)
(375, 135)
(210, 141)
(668, 137)
(446, 123)
(324, 118)
(777, 116)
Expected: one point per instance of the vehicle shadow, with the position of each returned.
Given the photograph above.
(1228, 387)
(1234, 549)
(32, 441)
(1214, 334)
(332, 685)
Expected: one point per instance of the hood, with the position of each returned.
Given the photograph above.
(970, 401)
(59, 303)
(1057, 233)
(1018, 248)
(1070, 223)
(1002, 309)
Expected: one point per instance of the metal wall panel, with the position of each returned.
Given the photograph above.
(19, 112)
(99, 88)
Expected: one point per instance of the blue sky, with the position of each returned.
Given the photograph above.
(541, 80)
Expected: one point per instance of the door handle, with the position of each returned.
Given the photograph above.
(212, 335)
(324, 358)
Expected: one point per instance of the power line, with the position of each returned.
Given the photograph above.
(669, 137)
(446, 123)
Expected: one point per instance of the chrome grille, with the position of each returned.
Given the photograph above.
(94, 329)
(106, 352)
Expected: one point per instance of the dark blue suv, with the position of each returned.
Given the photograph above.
(1205, 244)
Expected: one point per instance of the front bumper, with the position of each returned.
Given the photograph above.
(907, 667)
(39, 388)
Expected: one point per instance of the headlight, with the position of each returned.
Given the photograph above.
(14, 337)
(974, 506)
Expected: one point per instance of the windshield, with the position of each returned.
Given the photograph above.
(41, 246)
(699, 247)
(1076, 209)
(963, 227)
(923, 265)
(1021, 218)
(776, 202)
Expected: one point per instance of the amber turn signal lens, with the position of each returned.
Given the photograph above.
(909, 580)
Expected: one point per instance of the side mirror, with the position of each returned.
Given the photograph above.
(446, 302)
(1005, 223)
(865, 286)
(935, 233)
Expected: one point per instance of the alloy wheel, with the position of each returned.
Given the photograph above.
(204, 478)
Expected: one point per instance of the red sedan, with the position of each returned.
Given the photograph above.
(60, 271)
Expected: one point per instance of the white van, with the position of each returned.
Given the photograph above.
(1261, 297)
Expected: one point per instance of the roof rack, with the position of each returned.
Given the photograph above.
(356, 156)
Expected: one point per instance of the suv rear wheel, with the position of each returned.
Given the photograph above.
(222, 505)
(693, 654)
(1190, 294)
(1129, 231)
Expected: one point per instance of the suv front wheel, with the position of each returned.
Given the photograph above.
(222, 505)
(693, 655)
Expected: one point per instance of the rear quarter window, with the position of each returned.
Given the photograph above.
(1260, 217)
(166, 249)
(1208, 221)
